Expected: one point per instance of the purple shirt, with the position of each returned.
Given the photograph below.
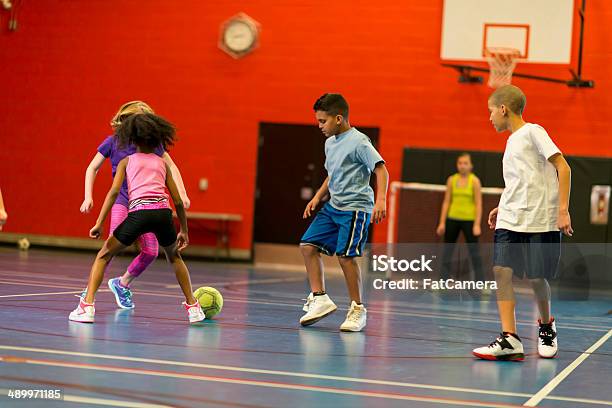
(109, 149)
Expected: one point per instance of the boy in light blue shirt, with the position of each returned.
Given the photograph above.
(341, 226)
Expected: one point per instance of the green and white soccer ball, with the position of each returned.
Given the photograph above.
(210, 300)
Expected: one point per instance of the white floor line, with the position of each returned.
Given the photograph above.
(54, 279)
(111, 403)
(260, 383)
(22, 274)
(244, 282)
(552, 384)
(44, 285)
(431, 315)
(448, 315)
(489, 320)
(261, 371)
(41, 294)
(295, 374)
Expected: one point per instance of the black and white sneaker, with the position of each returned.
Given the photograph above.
(547, 339)
(507, 347)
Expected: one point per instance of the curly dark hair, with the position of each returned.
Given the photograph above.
(146, 130)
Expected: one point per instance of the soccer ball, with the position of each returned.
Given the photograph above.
(210, 300)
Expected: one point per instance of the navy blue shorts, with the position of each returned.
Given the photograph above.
(343, 233)
(532, 254)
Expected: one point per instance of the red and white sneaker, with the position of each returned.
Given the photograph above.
(84, 312)
(506, 347)
(547, 339)
(194, 312)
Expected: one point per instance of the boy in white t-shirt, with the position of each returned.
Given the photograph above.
(533, 211)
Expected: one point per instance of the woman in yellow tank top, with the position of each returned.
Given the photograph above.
(462, 212)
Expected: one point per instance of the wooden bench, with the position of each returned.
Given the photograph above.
(222, 232)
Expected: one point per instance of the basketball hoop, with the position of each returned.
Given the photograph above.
(501, 63)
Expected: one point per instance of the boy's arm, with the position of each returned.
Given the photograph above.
(382, 183)
(90, 177)
(182, 237)
(565, 179)
(478, 202)
(324, 189)
(176, 175)
(444, 211)
(321, 192)
(110, 199)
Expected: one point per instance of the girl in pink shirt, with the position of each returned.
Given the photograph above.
(149, 211)
(110, 149)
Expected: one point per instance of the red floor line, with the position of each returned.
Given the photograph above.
(275, 384)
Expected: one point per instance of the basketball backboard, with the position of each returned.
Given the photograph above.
(540, 29)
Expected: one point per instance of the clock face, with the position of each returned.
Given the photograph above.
(239, 36)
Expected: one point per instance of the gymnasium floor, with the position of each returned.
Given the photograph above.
(415, 352)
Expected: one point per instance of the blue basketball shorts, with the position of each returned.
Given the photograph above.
(336, 232)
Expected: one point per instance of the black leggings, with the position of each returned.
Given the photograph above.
(451, 234)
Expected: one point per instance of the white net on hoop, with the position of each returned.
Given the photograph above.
(502, 62)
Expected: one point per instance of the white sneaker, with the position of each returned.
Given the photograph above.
(355, 318)
(505, 347)
(547, 339)
(316, 308)
(194, 312)
(84, 312)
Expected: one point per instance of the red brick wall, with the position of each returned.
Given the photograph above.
(71, 64)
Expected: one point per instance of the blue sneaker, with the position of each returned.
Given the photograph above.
(123, 296)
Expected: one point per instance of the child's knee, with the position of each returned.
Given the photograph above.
(538, 282)
(148, 257)
(173, 255)
(309, 250)
(104, 254)
(149, 247)
(347, 261)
